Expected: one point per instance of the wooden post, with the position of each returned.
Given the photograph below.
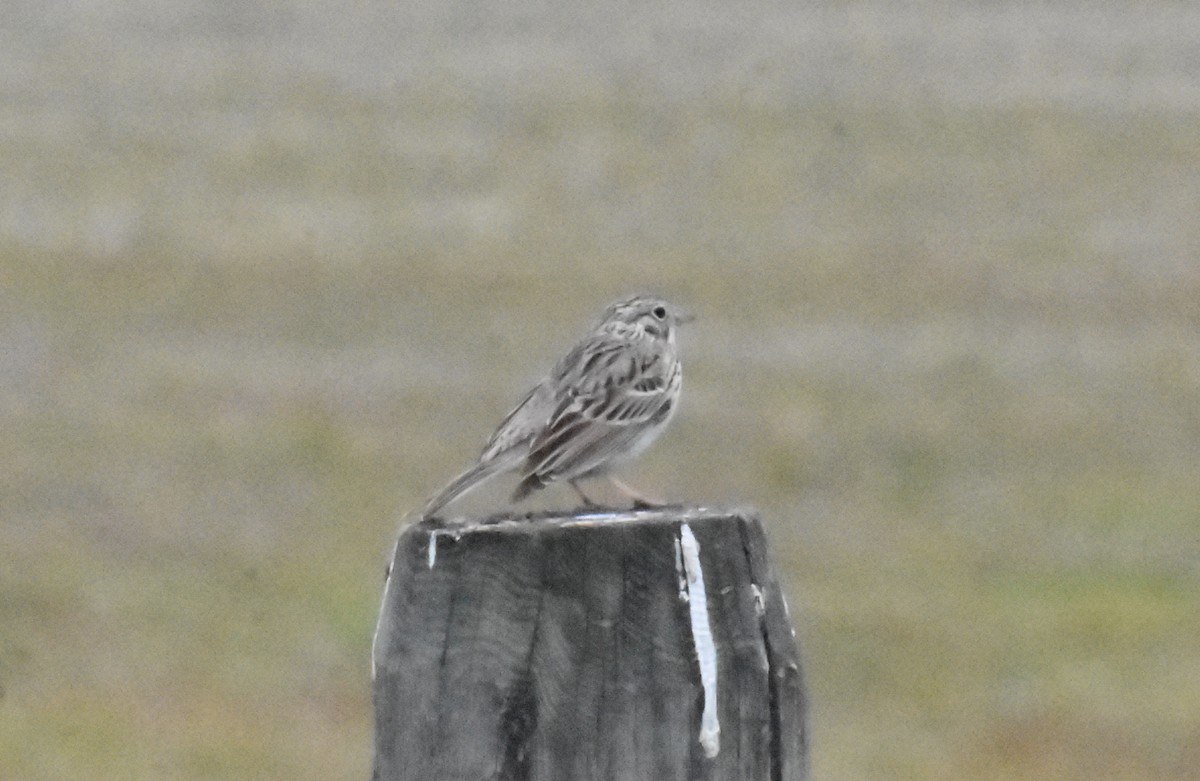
(649, 645)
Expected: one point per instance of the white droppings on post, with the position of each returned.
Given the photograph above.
(706, 650)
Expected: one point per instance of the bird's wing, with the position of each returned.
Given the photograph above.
(607, 394)
(522, 423)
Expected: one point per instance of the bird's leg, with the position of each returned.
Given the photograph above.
(639, 501)
(587, 502)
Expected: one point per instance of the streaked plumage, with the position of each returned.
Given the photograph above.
(603, 404)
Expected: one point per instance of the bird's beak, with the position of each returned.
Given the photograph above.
(683, 316)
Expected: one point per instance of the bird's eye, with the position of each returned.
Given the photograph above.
(660, 312)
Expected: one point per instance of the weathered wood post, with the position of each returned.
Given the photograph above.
(649, 645)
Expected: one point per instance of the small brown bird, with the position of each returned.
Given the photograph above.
(601, 406)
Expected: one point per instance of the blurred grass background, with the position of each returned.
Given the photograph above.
(271, 272)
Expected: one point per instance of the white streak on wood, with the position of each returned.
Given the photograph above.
(679, 571)
(383, 611)
(433, 536)
(706, 650)
(759, 606)
(788, 613)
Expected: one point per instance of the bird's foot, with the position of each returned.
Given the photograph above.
(640, 501)
(588, 503)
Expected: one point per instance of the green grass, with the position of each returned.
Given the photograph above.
(250, 314)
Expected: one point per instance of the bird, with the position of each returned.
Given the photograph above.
(600, 407)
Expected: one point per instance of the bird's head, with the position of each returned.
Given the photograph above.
(653, 315)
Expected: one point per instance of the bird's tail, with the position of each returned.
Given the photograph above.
(463, 483)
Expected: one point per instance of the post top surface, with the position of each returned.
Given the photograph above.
(583, 518)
